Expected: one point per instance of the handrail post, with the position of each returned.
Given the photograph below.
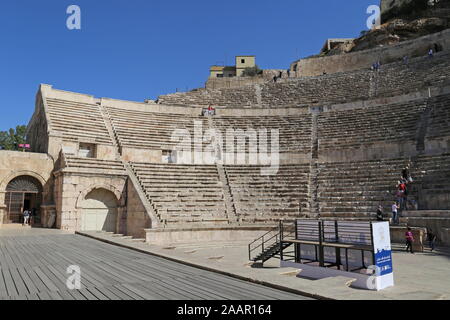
(281, 240)
(321, 251)
(262, 244)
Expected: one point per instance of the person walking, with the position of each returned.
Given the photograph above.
(395, 208)
(405, 60)
(431, 237)
(26, 217)
(380, 213)
(409, 240)
(430, 53)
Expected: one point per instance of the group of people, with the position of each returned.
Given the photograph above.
(27, 217)
(376, 66)
(211, 111)
(401, 204)
(403, 188)
(431, 239)
(401, 195)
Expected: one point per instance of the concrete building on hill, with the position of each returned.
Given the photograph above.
(242, 62)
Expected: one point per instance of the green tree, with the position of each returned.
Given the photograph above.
(10, 140)
(252, 71)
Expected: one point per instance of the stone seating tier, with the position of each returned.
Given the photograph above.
(260, 198)
(392, 80)
(360, 127)
(95, 165)
(150, 130)
(77, 121)
(181, 196)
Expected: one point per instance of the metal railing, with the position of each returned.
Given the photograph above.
(270, 239)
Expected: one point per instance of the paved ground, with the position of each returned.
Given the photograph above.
(34, 262)
(419, 276)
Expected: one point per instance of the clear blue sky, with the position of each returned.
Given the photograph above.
(139, 49)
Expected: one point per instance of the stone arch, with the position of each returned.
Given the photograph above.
(23, 191)
(16, 174)
(99, 211)
(92, 187)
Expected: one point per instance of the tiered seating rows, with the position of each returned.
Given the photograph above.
(183, 193)
(393, 79)
(77, 121)
(259, 198)
(358, 127)
(356, 189)
(294, 131)
(95, 165)
(150, 130)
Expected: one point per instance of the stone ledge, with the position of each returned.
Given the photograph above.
(173, 235)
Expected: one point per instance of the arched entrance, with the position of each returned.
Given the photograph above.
(99, 211)
(23, 193)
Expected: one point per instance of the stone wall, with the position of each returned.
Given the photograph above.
(137, 216)
(14, 164)
(364, 59)
(71, 190)
(238, 82)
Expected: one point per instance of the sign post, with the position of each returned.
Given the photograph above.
(382, 255)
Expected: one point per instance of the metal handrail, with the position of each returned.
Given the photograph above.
(278, 238)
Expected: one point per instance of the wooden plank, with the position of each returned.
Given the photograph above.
(44, 296)
(76, 294)
(87, 294)
(128, 292)
(55, 295)
(33, 296)
(65, 295)
(99, 295)
(3, 290)
(48, 283)
(19, 283)
(9, 283)
(141, 293)
(112, 294)
(36, 281)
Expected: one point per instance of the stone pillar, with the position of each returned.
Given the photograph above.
(2, 214)
(47, 212)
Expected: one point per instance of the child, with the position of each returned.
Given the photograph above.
(409, 240)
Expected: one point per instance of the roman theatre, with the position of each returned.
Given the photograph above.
(345, 134)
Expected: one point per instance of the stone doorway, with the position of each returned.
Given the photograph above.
(99, 211)
(23, 193)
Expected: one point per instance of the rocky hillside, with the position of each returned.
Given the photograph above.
(412, 20)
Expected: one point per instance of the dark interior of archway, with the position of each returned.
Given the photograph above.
(23, 193)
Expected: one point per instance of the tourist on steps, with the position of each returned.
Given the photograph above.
(405, 60)
(406, 174)
(400, 194)
(395, 208)
(430, 53)
(409, 240)
(380, 213)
